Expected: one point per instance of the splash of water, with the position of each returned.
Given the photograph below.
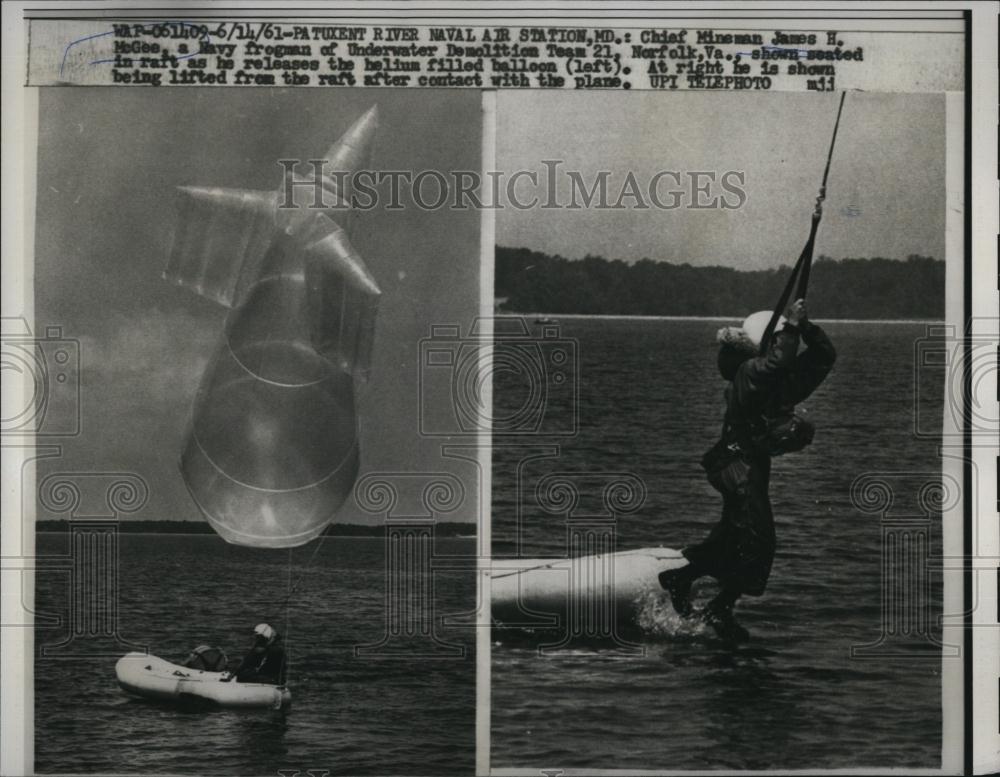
(655, 615)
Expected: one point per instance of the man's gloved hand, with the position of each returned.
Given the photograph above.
(796, 314)
(818, 211)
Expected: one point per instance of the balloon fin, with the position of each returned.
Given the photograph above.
(220, 239)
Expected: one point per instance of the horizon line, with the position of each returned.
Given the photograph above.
(200, 520)
(717, 265)
(556, 316)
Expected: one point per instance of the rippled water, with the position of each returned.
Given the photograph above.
(671, 698)
(349, 715)
(650, 404)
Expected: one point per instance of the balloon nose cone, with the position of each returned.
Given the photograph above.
(354, 147)
(371, 116)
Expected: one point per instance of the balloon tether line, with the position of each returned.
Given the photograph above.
(799, 279)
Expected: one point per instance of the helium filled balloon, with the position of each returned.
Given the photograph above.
(272, 450)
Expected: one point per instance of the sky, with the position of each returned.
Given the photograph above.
(109, 160)
(885, 194)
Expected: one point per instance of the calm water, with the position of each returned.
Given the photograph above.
(349, 715)
(650, 404)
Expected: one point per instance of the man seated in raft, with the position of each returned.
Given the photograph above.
(265, 663)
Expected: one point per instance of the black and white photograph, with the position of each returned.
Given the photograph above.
(462, 388)
(247, 366)
(690, 563)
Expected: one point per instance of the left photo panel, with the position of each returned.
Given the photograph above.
(250, 559)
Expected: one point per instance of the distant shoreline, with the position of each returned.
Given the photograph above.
(627, 317)
(450, 529)
(212, 534)
(855, 289)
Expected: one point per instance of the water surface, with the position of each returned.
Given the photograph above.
(349, 715)
(650, 405)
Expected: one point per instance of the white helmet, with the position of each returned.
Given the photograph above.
(265, 632)
(756, 323)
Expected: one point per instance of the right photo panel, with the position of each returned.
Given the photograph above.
(718, 486)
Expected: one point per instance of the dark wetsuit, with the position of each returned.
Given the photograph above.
(267, 667)
(739, 550)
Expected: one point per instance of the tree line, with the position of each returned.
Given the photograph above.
(529, 281)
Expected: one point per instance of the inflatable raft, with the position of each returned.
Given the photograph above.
(154, 678)
(613, 586)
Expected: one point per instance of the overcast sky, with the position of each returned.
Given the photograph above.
(109, 160)
(885, 195)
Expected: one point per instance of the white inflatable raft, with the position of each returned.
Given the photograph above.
(592, 589)
(154, 678)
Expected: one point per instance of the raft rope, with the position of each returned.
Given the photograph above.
(288, 621)
(286, 602)
(799, 279)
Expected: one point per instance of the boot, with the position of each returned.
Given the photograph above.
(677, 583)
(720, 617)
